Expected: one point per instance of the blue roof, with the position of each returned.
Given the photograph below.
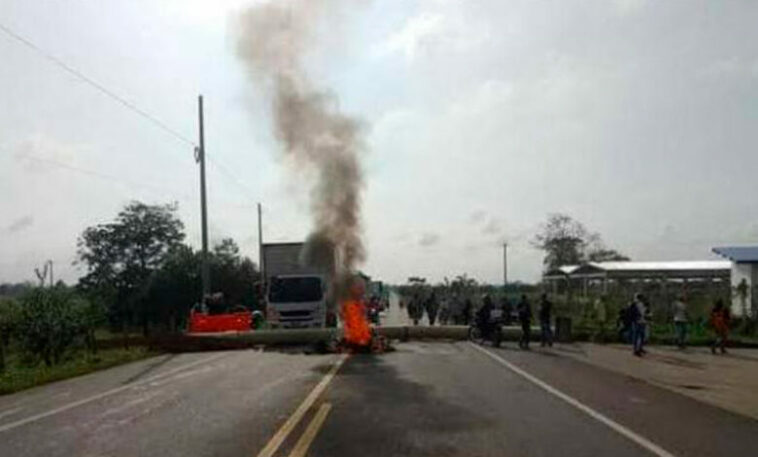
(738, 253)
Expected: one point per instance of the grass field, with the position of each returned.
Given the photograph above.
(19, 376)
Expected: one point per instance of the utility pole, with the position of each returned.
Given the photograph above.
(505, 264)
(261, 262)
(51, 272)
(200, 158)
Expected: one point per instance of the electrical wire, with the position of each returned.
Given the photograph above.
(112, 178)
(104, 176)
(127, 104)
(81, 76)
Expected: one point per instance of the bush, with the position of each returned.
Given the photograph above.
(9, 311)
(51, 319)
(8, 321)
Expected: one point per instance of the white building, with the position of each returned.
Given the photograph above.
(744, 277)
(606, 274)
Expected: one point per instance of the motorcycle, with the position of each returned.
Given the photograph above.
(491, 330)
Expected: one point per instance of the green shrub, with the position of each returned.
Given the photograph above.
(8, 321)
(50, 320)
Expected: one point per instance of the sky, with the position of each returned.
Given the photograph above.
(638, 118)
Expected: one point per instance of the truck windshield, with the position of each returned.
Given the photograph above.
(291, 290)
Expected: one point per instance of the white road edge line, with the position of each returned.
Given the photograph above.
(66, 407)
(640, 440)
(273, 445)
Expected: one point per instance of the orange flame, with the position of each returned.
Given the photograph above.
(357, 330)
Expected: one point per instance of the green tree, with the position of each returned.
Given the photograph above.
(89, 315)
(122, 258)
(233, 275)
(49, 321)
(563, 239)
(567, 241)
(176, 287)
(9, 312)
(605, 255)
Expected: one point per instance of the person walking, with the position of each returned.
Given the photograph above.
(444, 310)
(545, 311)
(680, 321)
(720, 319)
(624, 324)
(638, 312)
(431, 307)
(525, 318)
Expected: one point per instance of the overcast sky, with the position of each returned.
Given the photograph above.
(639, 118)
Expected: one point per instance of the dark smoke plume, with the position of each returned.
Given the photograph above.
(273, 39)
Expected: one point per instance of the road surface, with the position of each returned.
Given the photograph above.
(423, 399)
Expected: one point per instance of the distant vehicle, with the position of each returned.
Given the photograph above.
(297, 295)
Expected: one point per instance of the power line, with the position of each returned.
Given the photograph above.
(229, 174)
(105, 176)
(127, 104)
(78, 74)
(113, 178)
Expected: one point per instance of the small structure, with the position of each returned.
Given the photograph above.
(744, 277)
(605, 274)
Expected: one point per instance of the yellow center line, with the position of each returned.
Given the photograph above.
(273, 444)
(302, 445)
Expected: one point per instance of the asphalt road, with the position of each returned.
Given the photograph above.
(440, 399)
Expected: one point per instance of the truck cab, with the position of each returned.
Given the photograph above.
(297, 301)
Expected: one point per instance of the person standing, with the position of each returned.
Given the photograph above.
(545, 312)
(638, 317)
(624, 324)
(415, 310)
(680, 321)
(505, 304)
(431, 307)
(444, 310)
(720, 320)
(525, 318)
(467, 305)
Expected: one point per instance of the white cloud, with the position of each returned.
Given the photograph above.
(439, 31)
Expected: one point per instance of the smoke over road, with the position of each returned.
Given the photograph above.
(321, 141)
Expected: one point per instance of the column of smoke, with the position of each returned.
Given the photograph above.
(319, 140)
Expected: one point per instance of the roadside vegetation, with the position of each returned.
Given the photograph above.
(20, 374)
(140, 278)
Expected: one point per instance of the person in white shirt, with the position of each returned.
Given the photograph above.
(680, 321)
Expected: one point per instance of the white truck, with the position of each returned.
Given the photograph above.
(298, 295)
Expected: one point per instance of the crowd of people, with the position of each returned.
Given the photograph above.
(463, 312)
(633, 322)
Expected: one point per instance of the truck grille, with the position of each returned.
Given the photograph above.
(294, 314)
